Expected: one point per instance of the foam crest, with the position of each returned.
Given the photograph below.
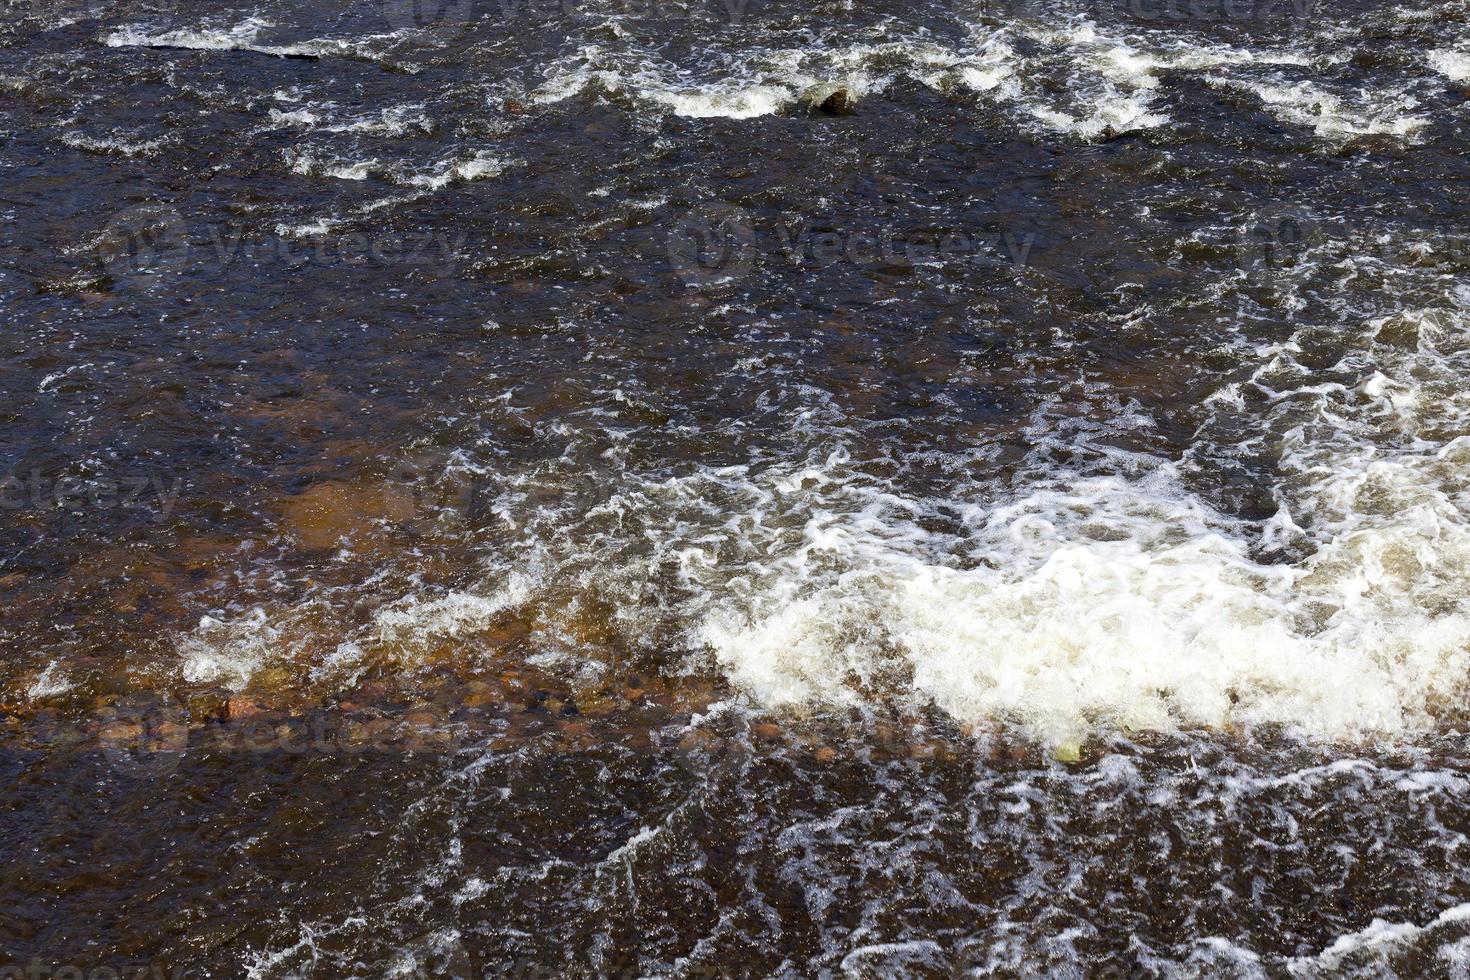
(1451, 63)
(461, 168)
(1070, 600)
(1128, 601)
(1111, 81)
(1306, 104)
(203, 38)
(247, 36)
(1369, 948)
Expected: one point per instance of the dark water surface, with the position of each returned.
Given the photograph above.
(745, 489)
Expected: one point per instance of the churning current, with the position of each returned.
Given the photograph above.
(734, 488)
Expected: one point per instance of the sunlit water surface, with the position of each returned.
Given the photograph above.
(520, 489)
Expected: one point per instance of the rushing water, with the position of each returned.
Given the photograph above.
(734, 488)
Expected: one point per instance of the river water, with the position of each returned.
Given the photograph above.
(734, 488)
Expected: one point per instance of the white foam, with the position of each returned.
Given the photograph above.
(1307, 104)
(1379, 939)
(1112, 81)
(230, 651)
(748, 84)
(1114, 90)
(1069, 632)
(246, 36)
(307, 164)
(1452, 64)
(415, 618)
(1071, 600)
(475, 166)
(1126, 600)
(738, 97)
(392, 121)
(730, 100)
(306, 229)
(296, 117)
(241, 35)
(113, 144)
(50, 682)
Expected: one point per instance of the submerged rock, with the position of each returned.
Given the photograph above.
(839, 103)
(211, 704)
(241, 706)
(1068, 752)
(333, 513)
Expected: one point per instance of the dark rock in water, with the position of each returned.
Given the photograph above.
(240, 706)
(211, 704)
(839, 103)
(287, 55)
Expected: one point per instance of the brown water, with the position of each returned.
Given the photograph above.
(523, 490)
